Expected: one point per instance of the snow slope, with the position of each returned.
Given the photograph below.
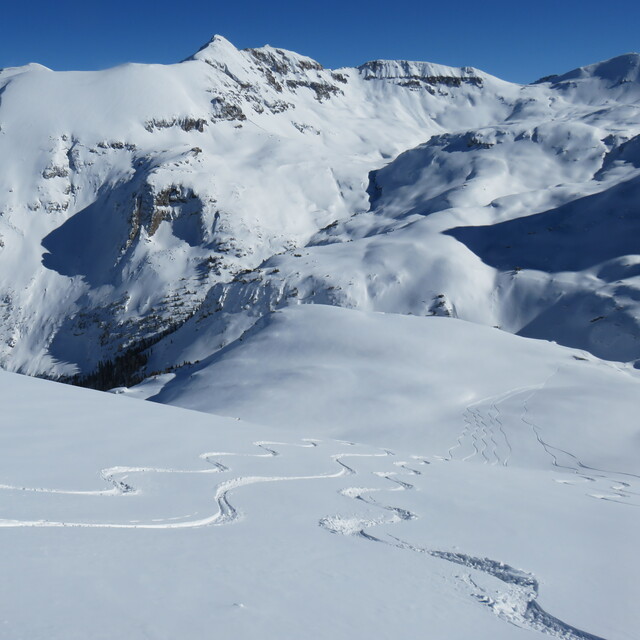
(404, 474)
(135, 198)
(352, 373)
(414, 290)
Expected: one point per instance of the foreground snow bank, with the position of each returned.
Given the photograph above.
(482, 485)
(131, 519)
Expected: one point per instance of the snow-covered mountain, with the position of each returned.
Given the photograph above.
(238, 182)
(399, 476)
(413, 289)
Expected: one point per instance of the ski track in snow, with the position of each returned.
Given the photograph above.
(484, 432)
(485, 436)
(514, 601)
(563, 459)
(507, 592)
(226, 512)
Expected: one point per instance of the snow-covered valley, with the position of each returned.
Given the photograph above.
(396, 309)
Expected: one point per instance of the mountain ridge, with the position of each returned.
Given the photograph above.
(135, 198)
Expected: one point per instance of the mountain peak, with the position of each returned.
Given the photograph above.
(220, 51)
(216, 49)
(618, 70)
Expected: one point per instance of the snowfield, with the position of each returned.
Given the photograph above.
(408, 474)
(387, 323)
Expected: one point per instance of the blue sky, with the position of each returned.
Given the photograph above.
(515, 41)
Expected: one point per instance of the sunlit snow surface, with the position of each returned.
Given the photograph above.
(294, 233)
(238, 182)
(429, 476)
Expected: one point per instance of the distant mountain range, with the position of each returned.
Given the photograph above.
(150, 214)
